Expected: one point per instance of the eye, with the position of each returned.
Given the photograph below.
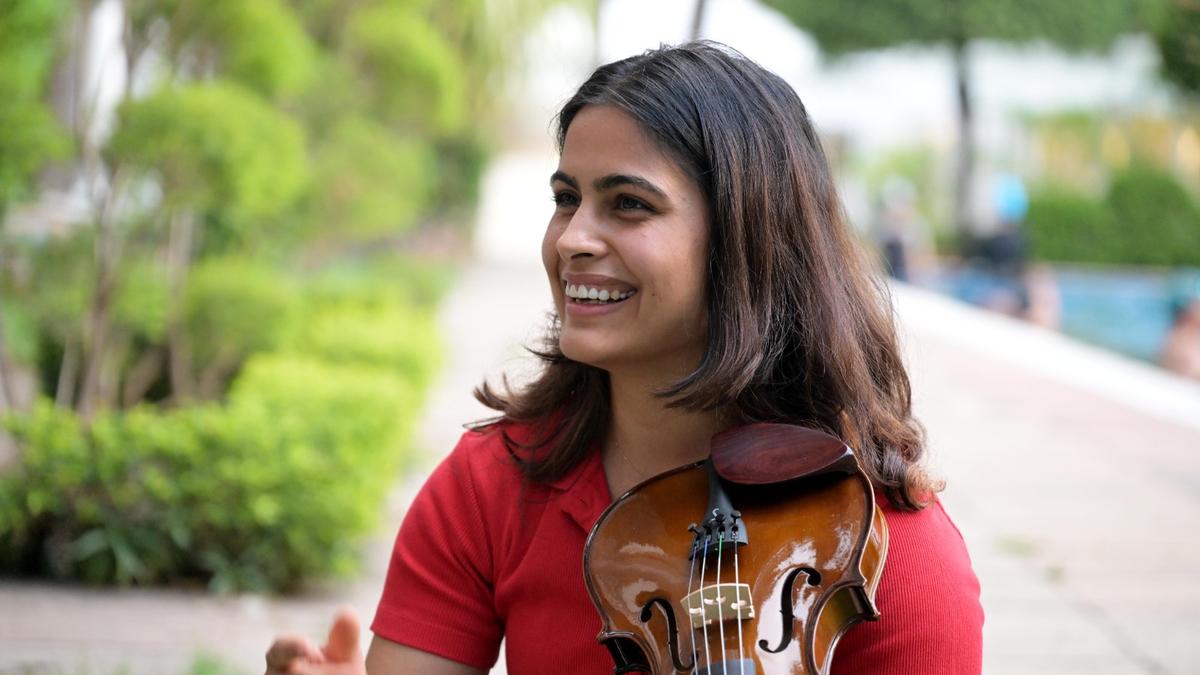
(565, 199)
(627, 203)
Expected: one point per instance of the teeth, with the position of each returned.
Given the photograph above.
(580, 292)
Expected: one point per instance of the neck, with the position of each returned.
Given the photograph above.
(646, 437)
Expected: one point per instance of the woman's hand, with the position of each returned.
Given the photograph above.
(295, 655)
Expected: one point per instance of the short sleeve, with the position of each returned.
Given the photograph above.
(439, 592)
(931, 622)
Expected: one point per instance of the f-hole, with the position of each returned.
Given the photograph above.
(814, 579)
(672, 629)
(627, 655)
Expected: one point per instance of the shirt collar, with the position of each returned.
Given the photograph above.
(584, 491)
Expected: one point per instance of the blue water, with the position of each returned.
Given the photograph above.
(1125, 311)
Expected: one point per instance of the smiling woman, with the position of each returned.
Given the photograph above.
(704, 281)
(615, 230)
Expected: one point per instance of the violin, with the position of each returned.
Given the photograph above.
(753, 562)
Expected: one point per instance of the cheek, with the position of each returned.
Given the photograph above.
(550, 257)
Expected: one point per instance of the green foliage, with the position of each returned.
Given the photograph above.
(1147, 218)
(235, 307)
(1160, 223)
(1177, 34)
(20, 333)
(413, 71)
(347, 335)
(876, 24)
(28, 32)
(29, 135)
(1067, 226)
(274, 486)
(261, 44)
(461, 161)
(381, 284)
(57, 294)
(215, 147)
(141, 300)
(282, 134)
(372, 182)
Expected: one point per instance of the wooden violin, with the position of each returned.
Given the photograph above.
(754, 562)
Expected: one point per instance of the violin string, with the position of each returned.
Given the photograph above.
(720, 598)
(704, 612)
(737, 584)
(691, 628)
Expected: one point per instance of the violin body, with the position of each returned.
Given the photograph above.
(770, 596)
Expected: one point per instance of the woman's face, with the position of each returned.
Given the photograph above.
(628, 224)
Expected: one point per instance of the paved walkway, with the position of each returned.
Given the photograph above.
(1075, 488)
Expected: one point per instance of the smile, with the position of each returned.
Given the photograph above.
(596, 295)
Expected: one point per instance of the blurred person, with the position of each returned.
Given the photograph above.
(1181, 347)
(702, 278)
(1044, 305)
(903, 235)
(1005, 253)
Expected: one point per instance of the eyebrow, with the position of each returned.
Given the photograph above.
(611, 181)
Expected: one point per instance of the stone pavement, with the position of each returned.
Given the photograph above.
(1073, 474)
(1076, 503)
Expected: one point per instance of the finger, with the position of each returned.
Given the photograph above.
(289, 648)
(343, 638)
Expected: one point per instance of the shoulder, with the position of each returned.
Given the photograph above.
(454, 543)
(481, 481)
(482, 460)
(927, 540)
(931, 620)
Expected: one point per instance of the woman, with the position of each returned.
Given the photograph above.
(703, 277)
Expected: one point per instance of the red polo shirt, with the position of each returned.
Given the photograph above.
(483, 555)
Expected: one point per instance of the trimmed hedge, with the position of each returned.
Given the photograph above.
(1064, 225)
(1147, 218)
(274, 486)
(270, 489)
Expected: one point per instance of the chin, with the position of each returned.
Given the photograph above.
(591, 355)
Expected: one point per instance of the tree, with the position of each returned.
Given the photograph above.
(215, 149)
(1177, 33)
(29, 135)
(860, 25)
(299, 128)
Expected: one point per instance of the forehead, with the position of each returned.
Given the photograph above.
(604, 139)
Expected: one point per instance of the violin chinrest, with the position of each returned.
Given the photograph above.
(765, 454)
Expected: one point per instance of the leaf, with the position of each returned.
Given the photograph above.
(89, 544)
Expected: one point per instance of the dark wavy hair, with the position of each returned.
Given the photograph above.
(803, 331)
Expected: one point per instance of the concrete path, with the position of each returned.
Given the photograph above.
(1075, 489)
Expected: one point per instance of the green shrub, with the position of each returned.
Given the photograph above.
(371, 182)
(235, 307)
(1147, 218)
(403, 342)
(383, 282)
(274, 487)
(1066, 226)
(1159, 222)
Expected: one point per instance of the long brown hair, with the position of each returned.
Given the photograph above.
(802, 329)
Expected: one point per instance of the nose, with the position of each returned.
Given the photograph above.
(581, 236)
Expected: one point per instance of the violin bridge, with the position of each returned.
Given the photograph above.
(719, 602)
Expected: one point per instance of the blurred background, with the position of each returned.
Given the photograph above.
(254, 254)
